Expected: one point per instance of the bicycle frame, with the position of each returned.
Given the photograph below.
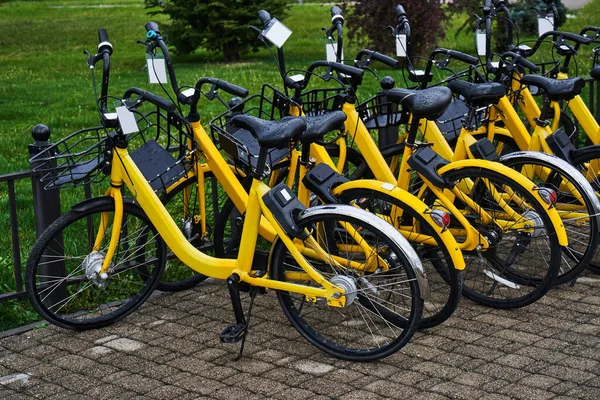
(380, 169)
(125, 171)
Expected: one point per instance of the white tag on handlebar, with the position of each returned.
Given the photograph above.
(545, 24)
(188, 92)
(277, 33)
(157, 70)
(297, 78)
(401, 45)
(331, 52)
(127, 120)
(481, 41)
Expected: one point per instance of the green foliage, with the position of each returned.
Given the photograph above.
(370, 19)
(215, 25)
(525, 16)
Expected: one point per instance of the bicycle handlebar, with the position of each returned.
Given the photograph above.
(265, 17)
(224, 85)
(382, 58)
(144, 95)
(520, 60)
(336, 15)
(579, 39)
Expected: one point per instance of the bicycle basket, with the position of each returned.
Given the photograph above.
(239, 144)
(320, 101)
(377, 112)
(77, 159)
(162, 149)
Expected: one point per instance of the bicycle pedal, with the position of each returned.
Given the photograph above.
(233, 333)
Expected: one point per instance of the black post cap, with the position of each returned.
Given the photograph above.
(387, 82)
(40, 133)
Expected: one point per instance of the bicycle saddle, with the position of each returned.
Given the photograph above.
(427, 103)
(478, 94)
(595, 72)
(270, 134)
(318, 125)
(556, 89)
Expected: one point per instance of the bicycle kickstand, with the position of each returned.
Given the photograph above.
(238, 331)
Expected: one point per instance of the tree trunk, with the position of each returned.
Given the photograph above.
(230, 51)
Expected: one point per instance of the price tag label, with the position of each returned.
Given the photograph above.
(545, 24)
(401, 45)
(331, 51)
(277, 33)
(481, 42)
(126, 120)
(157, 69)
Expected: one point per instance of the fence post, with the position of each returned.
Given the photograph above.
(387, 135)
(46, 209)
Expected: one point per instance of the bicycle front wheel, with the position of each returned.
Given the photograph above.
(366, 258)
(523, 257)
(62, 275)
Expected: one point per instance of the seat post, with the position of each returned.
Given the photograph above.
(260, 164)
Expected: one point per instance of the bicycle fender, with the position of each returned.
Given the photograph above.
(565, 168)
(561, 234)
(101, 200)
(388, 230)
(414, 203)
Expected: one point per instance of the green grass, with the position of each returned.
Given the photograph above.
(44, 79)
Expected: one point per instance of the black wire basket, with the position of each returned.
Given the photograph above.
(378, 112)
(163, 149)
(238, 144)
(321, 101)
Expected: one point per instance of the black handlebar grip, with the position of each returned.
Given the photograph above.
(466, 58)
(158, 101)
(382, 58)
(102, 35)
(152, 98)
(400, 11)
(152, 26)
(265, 17)
(347, 69)
(103, 43)
(336, 13)
(232, 89)
(522, 61)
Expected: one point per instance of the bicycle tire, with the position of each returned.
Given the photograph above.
(81, 300)
(585, 160)
(445, 282)
(582, 229)
(501, 277)
(346, 333)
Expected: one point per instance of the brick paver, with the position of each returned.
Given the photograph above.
(169, 349)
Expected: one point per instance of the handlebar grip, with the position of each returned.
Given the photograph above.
(152, 26)
(522, 61)
(152, 98)
(103, 43)
(466, 58)
(232, 89)
(265, 17)
(223, 85)
(382, 58)
(347, 70)
(335, 10)
(400, 11)
(102, 35)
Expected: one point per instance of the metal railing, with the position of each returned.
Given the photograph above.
(46, 206)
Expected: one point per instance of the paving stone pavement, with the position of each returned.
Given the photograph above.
(169, 349)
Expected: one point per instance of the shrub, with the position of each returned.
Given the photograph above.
(215, 25)
(370, 18)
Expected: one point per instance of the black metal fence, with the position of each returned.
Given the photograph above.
(46, 206)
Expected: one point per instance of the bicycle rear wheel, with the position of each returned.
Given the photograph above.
(62, 279)
(445, 283)
(522, 262)
(383, 304)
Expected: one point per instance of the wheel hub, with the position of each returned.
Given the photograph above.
(348, 284)
(538, 224)
(92, 265)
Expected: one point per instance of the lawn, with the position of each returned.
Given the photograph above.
(44, 79)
